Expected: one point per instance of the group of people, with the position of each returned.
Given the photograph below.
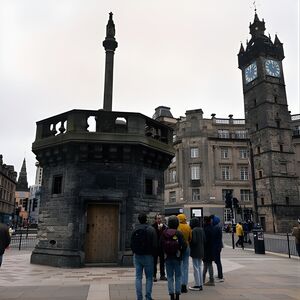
(173, 244)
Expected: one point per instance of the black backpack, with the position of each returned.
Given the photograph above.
(170, 243)
(139, 243)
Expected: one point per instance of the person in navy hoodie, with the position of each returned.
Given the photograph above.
(217, 246)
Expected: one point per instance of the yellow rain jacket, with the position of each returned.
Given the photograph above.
(185, 228)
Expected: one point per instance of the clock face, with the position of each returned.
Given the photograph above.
(250, 72)
(272, 68)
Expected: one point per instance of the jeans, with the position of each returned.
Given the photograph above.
(208, 265)
(219, 264)
(173, 266)
(143, 262)
(185, 266)
(197, 265)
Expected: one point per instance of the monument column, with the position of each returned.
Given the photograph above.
(109, 44)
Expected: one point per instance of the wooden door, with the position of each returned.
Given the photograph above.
(101, 242)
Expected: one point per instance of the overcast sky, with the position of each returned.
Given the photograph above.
(181, 54)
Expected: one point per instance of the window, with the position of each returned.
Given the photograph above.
(258, 150)
(194, 152)
(224, 152)
(57, 184)
(225, 173)
(241, 134)
(172, 197)
(195, 194)
(148, 186)
(281, 148)
(245, 195)
(262, 201)
(172, 175)
(244, 173)
(287, 200)
(256, 126)
(260, 174)
(227, 215)
(244, 153)
(195, 172)
(278, 124)
(223, 134)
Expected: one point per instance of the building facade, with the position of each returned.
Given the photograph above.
(211, 159)
(8, 178)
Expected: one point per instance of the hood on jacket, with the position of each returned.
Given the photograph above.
(182, 218)
(215, 220)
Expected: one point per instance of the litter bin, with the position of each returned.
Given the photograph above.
(259, 241)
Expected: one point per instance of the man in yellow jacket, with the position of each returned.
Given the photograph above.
(186, 230)
(240, 233)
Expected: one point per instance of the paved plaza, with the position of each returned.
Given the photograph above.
(247, 276)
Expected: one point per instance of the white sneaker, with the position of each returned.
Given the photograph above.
(219, 280)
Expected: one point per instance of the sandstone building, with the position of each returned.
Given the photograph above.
(8, 178)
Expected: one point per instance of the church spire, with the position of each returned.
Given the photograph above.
(22, 183)
(110, 44)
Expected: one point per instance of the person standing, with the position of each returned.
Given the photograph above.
(208, 252)
(144, 246)
(4, 240)
(197, 253)
(217, 246)
(174, 245)
(296, 234)
(159, 228)
(186, 230)
(240, 233)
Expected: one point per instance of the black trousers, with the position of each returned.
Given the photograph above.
(240, 241)
(161, 264)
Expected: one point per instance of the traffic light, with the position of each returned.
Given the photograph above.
(228, 200)
(24, 203)
(35, 204)
(235, 203)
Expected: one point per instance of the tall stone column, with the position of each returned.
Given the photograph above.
(110, 44)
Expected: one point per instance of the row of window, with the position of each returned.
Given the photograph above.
(238, 134)
(150, 185)
(6, 183)
(244, 195)
(225, 152)
(6, 195)
(226, 173)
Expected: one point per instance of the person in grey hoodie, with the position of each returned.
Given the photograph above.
(197, 253)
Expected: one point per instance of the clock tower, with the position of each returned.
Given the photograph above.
(276, 198)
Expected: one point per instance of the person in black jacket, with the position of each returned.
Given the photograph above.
(4, 240)
(208, 251)
(159, 228)
(173, 261)
(197, 253)
(144, 246)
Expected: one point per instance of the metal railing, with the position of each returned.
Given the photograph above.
(23, 241)
(277, 243)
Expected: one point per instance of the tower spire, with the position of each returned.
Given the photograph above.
(22, 183)
(110, 44)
